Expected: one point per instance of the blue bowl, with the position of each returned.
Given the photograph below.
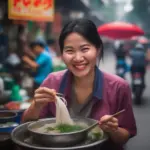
(7, 127)
(7, 116)
(19, 116)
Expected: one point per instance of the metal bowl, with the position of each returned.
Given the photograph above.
(5, 141)
(22, 139)
(59, 139)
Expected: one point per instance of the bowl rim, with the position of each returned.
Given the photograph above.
(55, 134)
(6, 133)
(8, 111)
(12, 126)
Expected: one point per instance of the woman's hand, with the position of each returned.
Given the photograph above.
(44, 95)
(110, 126)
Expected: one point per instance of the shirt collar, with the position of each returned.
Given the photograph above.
(98, 84)
(66, 83)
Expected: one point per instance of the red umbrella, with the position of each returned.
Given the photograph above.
(120, 30)
(140, 39)
(143, 40)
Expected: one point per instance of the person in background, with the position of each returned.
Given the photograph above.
(120, 54)
(52, 47)
(89, 91)
(138, 60)
(42, 63)
(28, 50)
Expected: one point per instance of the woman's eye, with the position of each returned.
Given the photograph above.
(85, 49)
(69, 51)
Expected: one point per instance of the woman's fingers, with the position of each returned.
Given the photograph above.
(109, 126)
(50, 91)
(113, 125)
(44, 95)
(42, 100)
(105, 128)
(46, 90)
(104, 119)
(114, 120)
(107, 118)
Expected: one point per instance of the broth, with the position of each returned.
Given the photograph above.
(61, 128)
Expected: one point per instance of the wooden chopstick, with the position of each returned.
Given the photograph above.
(114, 115)
(118, 113)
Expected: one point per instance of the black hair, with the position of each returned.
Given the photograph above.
(85, 28)
(36, 43)
(51, 41)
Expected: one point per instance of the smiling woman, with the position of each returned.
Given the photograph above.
(79, 55)
(89, 91)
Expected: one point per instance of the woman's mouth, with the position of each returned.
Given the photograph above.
(80, 67)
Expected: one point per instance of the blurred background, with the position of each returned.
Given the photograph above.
(30, 27)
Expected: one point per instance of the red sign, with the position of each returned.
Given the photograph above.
(38, 10)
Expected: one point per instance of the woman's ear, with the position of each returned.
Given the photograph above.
(98, 57)
(98, 52)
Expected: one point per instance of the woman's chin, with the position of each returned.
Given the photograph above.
(81, 74)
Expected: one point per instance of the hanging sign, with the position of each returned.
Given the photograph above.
(34, 10)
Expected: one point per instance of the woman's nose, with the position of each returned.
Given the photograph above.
(78, 57)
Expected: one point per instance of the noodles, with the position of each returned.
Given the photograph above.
(62, 114)
(64, 123)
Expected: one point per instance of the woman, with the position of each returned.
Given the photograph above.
(88, 91)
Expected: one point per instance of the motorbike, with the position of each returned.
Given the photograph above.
(137, 87)
(121, 68)
(120, 71)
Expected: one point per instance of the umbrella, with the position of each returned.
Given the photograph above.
(120, 30)
(143, 40)
(140, 39)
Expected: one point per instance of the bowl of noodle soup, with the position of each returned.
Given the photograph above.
(40, 134)
(63, 130)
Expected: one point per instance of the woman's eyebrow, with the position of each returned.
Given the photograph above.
(68, 47)
(84, 45)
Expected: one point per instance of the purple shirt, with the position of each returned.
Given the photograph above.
(110, 95)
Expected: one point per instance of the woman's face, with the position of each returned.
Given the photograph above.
(79, 55)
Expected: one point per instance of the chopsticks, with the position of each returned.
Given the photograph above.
(114, 115)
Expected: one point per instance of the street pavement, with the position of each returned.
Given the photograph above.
(142, 113)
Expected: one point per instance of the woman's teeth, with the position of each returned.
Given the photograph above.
(80, 67)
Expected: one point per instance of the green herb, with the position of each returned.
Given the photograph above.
(97, 135)
(50, 129)
(65, 128)
(94, 136)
